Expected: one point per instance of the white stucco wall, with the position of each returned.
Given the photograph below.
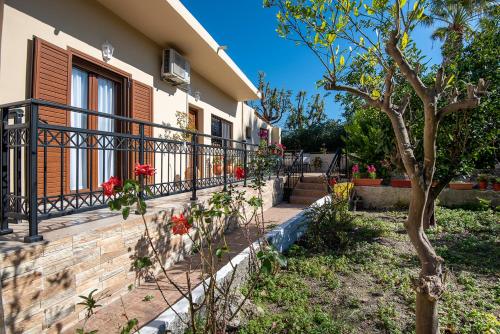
(84, 25)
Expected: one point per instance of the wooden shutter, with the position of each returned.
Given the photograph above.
(51, 82)
(141, 106)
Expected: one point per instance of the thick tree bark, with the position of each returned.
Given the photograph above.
(429, 286)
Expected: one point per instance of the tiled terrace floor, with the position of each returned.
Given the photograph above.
(110, 318)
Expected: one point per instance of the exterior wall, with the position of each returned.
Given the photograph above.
(84, 25)
(389, 197)
(41, 282)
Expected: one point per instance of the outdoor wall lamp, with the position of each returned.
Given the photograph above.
(222, 47)
(107, 51)
(197, 95)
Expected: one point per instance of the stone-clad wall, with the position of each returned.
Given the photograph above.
(389, 197)
(41, 282)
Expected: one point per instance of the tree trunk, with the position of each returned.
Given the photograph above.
(429, 286)
(429, 216)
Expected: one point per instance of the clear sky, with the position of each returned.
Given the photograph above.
(249, 31)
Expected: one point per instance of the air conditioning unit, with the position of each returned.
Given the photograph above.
(175, 68)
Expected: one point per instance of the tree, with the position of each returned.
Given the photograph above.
(304, 115)
(326, 135)
(273, 102)
(347, 34)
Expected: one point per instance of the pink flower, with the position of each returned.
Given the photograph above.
(355, 169)
(371, 169)
(146, 170)
(109, 186)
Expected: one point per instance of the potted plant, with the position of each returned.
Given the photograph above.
(496, 183)
(371, 181)
(400, 181)
(317, 163)
(461, 185)
(217, 165)
(482, 180)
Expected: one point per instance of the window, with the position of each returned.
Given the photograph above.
(91, 89)
(221, 128)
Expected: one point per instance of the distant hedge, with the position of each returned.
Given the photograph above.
(327, 134)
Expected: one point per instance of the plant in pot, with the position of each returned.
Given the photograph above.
(461, 185)
(482, 181)
(217, 165)
(496, 183)
(317, 163)
(371, 181)
(400, 180)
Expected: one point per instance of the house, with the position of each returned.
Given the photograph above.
(88, 89)
(147, 69)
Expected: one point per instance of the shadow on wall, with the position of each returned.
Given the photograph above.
(22, 290)
(131, 46)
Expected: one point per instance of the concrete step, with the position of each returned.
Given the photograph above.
(311, 186)
(313, 179)
(310, 192)
(302, 199)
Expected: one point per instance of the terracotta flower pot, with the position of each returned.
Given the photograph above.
(188, 174)
(496, 186)
(483, 185)
(400, 183)
(461, 186)
(217, 169)
(229, 169)
(368, 182)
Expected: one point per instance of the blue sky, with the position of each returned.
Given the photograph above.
(249, 31)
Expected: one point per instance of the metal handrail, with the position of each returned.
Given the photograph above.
(334, 163)
(295, 172)
(26, 194)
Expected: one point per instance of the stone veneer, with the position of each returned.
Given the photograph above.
(41, 282)
(390, 197)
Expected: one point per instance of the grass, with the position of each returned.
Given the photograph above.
(364, 286)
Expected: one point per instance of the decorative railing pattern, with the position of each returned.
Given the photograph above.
(50, 169)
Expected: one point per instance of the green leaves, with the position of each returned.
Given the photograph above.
(271, 260)
(375, 94)
(404, 40)
(129, 327)
(142, 263)
(342, 61)
(126, 212)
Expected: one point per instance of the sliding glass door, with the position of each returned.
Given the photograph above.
(106, 97)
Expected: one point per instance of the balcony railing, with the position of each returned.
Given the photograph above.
(50, 168)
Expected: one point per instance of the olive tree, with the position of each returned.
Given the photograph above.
(376, 37)
(273, 102)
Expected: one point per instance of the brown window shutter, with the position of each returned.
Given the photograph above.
(51, 82)
(141, 106)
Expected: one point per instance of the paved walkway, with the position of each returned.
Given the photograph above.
(111, 318)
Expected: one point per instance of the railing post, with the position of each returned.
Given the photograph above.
(225, 163)
(245, 163)
(141, 157)
(4, 184)
(302, 165)
(32, 178)
(195, 166)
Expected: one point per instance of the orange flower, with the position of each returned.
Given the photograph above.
(146, 170)
(181, 225)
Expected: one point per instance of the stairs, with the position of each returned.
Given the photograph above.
(308, 190)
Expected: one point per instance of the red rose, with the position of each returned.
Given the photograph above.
(109, 186)
(146, 170)
(333, 182)
(239, 173)
(181, 225)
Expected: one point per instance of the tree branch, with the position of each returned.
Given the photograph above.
(354, 91)
(410, 74)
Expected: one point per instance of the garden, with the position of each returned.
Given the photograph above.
(354, 275)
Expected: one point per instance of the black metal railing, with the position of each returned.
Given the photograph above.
(338, 167)
(294, 171)
(50, 168)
